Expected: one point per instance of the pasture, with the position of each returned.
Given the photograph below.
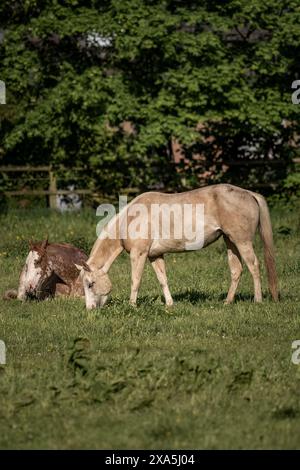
(198, 375)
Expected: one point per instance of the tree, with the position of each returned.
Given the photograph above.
(76, 71)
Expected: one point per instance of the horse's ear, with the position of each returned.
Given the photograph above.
(103, 270)
(86, 267)
(45, 244)
(83, 266)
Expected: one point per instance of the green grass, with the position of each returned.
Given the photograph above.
(199, 375)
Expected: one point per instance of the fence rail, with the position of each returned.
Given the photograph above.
(256, 162)
(42, 192)
(52, 190)
(41, 168)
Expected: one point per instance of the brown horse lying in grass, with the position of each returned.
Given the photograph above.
(49, 271)
(227, 211)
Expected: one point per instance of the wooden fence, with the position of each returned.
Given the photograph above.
(52, 190)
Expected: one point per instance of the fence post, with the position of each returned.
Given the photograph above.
(52, 188)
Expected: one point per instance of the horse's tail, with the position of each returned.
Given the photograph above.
(10, 294)
(266, 234)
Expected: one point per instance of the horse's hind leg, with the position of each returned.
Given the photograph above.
(159, 267)
(235, 266)
(247, 253)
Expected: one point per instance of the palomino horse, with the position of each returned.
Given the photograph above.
(49, 271)
(228, 210)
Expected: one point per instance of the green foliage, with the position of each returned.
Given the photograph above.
(292, 183)
(164, 66)
(288, 193)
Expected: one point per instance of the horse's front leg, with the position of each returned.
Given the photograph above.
(138, 259)
(159, 267)
(21, 295)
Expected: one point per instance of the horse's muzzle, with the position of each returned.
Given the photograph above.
(31, 294)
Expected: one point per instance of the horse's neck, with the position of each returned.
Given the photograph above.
(62, 271)
(104, 252)
(58, 269)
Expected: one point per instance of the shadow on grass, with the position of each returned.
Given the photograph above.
(244, 297)
(190, 296)
(148, 300)
(193, 297)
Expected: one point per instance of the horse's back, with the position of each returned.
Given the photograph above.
(195, 195)
(68, 251)
(218, 199)
(227, 208)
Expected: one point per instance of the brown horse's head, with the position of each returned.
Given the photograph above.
(37, 269)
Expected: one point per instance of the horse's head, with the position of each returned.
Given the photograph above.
(37, 269)
(96, 284)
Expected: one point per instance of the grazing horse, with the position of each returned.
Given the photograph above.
(228, 211)
(49, 271)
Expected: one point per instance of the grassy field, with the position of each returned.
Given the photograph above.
(199, 375)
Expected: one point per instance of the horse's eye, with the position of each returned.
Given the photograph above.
(90, 284)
